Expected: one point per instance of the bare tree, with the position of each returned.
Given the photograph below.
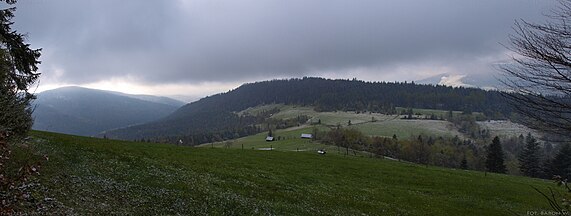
(540, 79)
(540, 76)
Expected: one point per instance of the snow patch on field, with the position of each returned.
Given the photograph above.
(505, 128)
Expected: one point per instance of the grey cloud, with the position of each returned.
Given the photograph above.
(213, 40)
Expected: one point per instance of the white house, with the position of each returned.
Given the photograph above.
(306, 136)
(269, 139)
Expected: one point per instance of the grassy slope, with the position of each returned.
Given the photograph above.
(387, 125)
(290, 141)
(103, 176)
(384, 125)
(406, 129)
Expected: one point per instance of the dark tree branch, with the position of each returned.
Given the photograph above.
(539, 79)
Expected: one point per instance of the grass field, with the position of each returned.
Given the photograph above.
(384, 125)
(409, 128)
(289, 141)
(387, 125)
(97, 176)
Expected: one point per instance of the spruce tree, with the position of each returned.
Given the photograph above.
(464, 164)
(18, 66)
(547, 168)
(548, 149)
(495, 157)
(529, 158)
(561, 163)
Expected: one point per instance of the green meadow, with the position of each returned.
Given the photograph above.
(98, 176)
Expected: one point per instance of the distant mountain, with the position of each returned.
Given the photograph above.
(214, 117)
(152, 98)
(483, 81)
(185, 98)
(88, 112)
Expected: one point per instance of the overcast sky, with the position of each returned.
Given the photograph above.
(199, 48)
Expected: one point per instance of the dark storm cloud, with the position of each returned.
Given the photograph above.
(210, 40)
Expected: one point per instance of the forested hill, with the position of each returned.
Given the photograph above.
(88, 112)
(329, 95)
(216, 113)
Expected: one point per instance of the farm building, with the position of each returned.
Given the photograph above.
(306, 136)
(269, 139)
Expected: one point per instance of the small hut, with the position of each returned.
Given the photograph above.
(306, 136)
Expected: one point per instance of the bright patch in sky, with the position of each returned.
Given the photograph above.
(183, 92)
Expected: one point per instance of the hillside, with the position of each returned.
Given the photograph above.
(383, 125)
(98, 176)
(444, 142)
(88, 112)
(215, 117)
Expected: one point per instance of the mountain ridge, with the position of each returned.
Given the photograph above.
(214, 117)
(83, 111)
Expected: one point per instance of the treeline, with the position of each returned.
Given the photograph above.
(515, 155)
(422, 149)
(218, 113)
(355, 95)
(541, 160)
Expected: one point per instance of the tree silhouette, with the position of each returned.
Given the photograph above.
(495, 157)
(18, 66)
(464, 163)
(529, 158)
(561, 163)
